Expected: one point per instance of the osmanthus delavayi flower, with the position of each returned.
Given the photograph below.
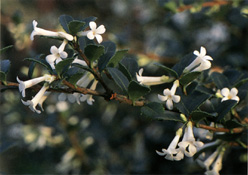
(38, 99)
(87, 97)
(202, 61)
(150, 81)
(43, 32)
(169, 96)
(57, 54)
(229, 94)
(171, 151)
(94, 32)
(29, 83)
(189, 145)
(217, 165)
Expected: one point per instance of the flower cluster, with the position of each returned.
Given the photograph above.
(188, 146)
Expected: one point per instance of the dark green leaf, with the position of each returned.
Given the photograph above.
(75, 26)
(228, 137)
(167, 69)
(75, 77)
(135, 90)
(187, 78)
(110, 48)
(63, 66)
(156, 111)
(3, 77)
(7, 145)
(232, 124)
(93, 52)
(205, 149)
(64, 21)
(120, 79)
(87, 21)
(5, 65)
(31, 69)
(233, 75)
(40, 61)
(200, 115)
(5, 48)
(220, 80)
(131, 65)
(113, 62)
(224, 107)
(184, 62)
(124, 70)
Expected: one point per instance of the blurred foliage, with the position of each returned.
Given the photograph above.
(112, 138)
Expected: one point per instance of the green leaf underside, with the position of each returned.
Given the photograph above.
(110, 48)
(5, 49)
(93, 52)
(75, 77)
(167, 69)
(75, 26)
(135, 90)
(40, 61)
(64, 21)
(156, 111)
(119, 78)
(187, 78)
(224, 107)
(63, 66)
(5, 65)
(124, 70)
(118, 56)
(131, 65)
(220, 80)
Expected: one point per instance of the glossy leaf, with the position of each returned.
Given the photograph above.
(75, 26)
(110, 48)
(5, 49)
(131, 65)
(224, 107)
(63, 66)
(136, 90)
(220, 80)
(41, 62)
(120, 79)
(64, 21)
(167, 69)
(5, 65)
(124, 70)
(156, 111)
(198, 115)
(184, 62)
(187, 78)
(75, 77)
(93, 52)
(113, 62)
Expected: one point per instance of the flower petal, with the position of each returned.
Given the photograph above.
(169, 104)
(90, 35)
(162, 97)
(203, 51)
(176, 98)
(54, 50)
(234, 91)
(225, 92)
(92, 25)
(98, 38)
(167, 92)
(101, 29)
(63, 54)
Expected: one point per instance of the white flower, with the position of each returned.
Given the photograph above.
(169, 96)
(78, 61)
(44, 97)
(37, 99)
(94, 32)
(208, 162)
(217, 166)
(29, 83)
(89, 98)
(56, 54)
(229, 95)
(169, 153)
(149, 81)
(43, 32)
(188, 145)
(201, 62)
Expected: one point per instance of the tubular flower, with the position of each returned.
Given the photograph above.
(43, 32)
(149, 81)
(207, 163)
(169, 96)
(38, 99)
(29, 83)
(95, 32)
(57, 54)
(168, 153)
(89, 98)
(188, 145)
(44, 97)
(217, 166)
(229, 95)
(202, 61)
